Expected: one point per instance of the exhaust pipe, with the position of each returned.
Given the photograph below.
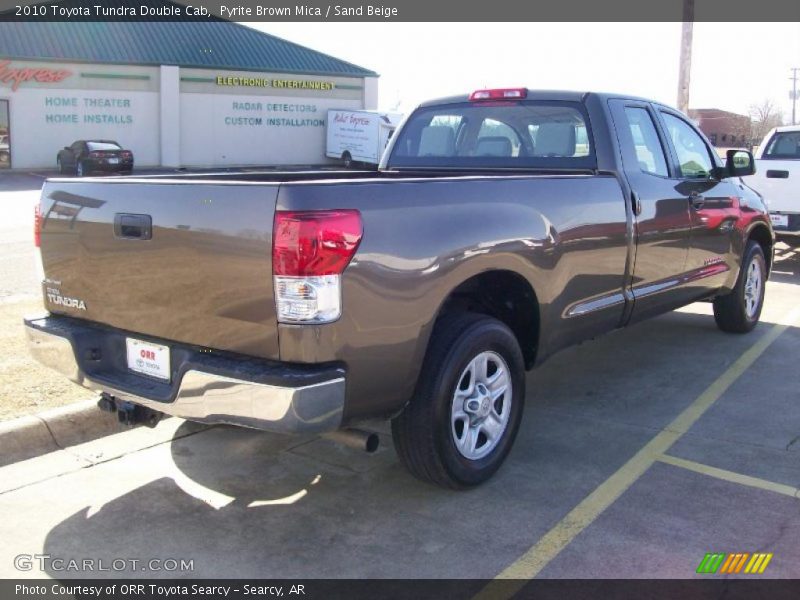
(359, 439)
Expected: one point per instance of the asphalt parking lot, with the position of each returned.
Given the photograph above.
(639, 453)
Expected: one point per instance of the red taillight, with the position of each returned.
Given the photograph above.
(95, 155)
(126, 154)
(37, 226)
(499, 94)
(312, 243)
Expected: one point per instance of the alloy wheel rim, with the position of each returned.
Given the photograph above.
(752, 289)
(481, 405)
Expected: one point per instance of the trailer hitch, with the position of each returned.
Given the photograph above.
(129, 413)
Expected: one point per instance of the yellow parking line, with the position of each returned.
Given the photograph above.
(755, 482)
(579, 518)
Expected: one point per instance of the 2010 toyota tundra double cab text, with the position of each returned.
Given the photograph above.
(501, 227)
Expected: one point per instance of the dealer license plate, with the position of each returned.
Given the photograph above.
(779, 220)
(148, 359)
(113, 161)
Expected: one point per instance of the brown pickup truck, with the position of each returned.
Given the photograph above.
(500, 228)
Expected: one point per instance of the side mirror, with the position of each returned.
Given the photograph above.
(66, 147)
(740, 163)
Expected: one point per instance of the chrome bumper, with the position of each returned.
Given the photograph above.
(207, 397)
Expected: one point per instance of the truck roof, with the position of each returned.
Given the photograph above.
(783, 128)
(563, 95)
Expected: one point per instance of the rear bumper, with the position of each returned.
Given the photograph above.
(205, 387)
(101, 166)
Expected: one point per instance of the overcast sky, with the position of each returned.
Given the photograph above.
(734, 65)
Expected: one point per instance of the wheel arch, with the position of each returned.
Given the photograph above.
(762, 235)
(505, 295)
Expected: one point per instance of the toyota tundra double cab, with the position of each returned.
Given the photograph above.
(501, 227)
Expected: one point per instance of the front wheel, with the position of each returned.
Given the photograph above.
(347, 160)
(462, 420)
(740, 310)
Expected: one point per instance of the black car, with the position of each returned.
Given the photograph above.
(85, 156)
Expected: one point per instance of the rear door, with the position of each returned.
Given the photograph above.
(661, 213)
(180, 261)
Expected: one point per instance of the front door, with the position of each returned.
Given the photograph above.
(713, 206)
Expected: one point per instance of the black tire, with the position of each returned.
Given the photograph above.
(80, 170)
(733, 312)
(5, 158)
(61, 168)
(347, 160)
(424, 434)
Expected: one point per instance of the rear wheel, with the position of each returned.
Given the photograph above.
(462, 420)
(347, 160)
(61, 168)
(80, 170)
(739, 311)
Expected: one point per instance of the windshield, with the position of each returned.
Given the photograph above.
(783, 145)
(94, 146)
(517, 135)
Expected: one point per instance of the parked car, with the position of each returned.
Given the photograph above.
(86, 156)
(5, 154)
(777, 179)
(358, 136)
(502, 227)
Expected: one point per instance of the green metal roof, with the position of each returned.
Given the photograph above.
(199, 44)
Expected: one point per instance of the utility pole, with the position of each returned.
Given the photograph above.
(794, 71)
(685, 68)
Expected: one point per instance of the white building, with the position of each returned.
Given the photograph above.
(175, 93)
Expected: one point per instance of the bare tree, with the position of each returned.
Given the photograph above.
(764, 116)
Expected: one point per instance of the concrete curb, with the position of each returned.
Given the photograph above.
(54, 429)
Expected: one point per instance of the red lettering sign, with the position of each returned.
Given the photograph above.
(18, 76)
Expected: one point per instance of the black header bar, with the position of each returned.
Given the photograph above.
(404, 10)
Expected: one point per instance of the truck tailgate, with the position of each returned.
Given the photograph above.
(201, 275)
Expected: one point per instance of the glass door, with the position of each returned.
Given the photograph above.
(5, 137)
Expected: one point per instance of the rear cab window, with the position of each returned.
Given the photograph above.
(525, 134)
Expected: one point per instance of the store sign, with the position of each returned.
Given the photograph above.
(278, 84)
(16, 77)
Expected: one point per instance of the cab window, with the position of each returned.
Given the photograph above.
(506, 135)
(495, 138)
(649, 153)
(694, 160)
(784, 144)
